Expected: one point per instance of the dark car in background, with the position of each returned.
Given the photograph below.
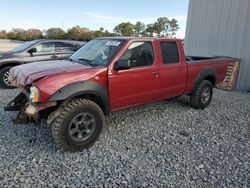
(36, 50)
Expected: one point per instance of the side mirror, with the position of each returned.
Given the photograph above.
(32, 50)
(122, 65)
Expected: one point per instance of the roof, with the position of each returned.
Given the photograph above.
(135, 38)
(59, 40)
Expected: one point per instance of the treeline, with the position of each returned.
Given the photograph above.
(163, 27)
(74, 33)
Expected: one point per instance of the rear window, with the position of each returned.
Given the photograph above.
(169, 52)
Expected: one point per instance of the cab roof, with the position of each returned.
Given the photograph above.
(140, 38)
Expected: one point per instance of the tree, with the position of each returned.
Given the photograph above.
(108, 34)
(80, 33)
(161, 26)
(32, 34)
(3, 34)
(75, 33)
(16, 34)
(124, 29)
(99, 33)
(150, 29)
(101, 29)
(56, 33)
(139, 28)
(173, 27)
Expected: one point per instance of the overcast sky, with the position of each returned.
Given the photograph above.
(92, 14)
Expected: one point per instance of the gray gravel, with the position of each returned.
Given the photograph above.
(162, 144)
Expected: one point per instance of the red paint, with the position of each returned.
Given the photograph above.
(139, 85)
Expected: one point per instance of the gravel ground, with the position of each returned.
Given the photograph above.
(162, 144)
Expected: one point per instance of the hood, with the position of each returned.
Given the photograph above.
(6, 53)
(24, 75)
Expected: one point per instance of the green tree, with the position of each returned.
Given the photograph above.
(150, 29)
(56, 33)
(101, 29)
(124, 29)
(173, 27)
(80, 33)
(108, 34)
(99, 33)
(139, 28)
(161, 26)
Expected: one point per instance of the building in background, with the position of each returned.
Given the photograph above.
(220, 28)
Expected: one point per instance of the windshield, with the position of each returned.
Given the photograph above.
(97, 52)
(23, 46)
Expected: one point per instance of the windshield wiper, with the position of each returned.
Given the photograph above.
(86, 61)
(82, 59)
(70, 59)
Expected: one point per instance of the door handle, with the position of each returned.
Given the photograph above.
(179, 69)
(154, 72)
(54, 56)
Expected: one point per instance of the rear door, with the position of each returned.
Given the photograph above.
(140, 83)
(172, 70)
(64, 49)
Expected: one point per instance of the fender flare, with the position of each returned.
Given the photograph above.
(202, 75)
(80, 88)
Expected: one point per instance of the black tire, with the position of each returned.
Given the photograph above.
(3, 83)
(198, 99)
(61, 126)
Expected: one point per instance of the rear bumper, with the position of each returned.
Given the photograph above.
(27, 111)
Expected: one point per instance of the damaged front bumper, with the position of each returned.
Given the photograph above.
(28, 112)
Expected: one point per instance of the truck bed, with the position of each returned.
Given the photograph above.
(196, 65)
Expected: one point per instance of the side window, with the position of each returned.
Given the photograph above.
(169, 52)
(65, 47)
(46, 47)
(139, 54)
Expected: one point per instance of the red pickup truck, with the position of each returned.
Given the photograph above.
(106, 75)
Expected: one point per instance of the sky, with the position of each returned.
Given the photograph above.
(93, 14)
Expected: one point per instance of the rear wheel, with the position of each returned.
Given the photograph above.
(79, 125)
(202, 96)
(4, 78)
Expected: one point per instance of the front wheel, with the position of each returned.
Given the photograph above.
(4, 78)
(79, 125)
(202, 96)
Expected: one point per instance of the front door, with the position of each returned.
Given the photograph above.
(140, 83)
(44, 51)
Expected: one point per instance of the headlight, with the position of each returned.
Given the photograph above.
(34, 94)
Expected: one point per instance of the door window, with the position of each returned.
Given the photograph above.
(65, 47)
(139, 54)
(46, 47)
(169, 52)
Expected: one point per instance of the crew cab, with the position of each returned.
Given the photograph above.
(35, 50)
(106, 75)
